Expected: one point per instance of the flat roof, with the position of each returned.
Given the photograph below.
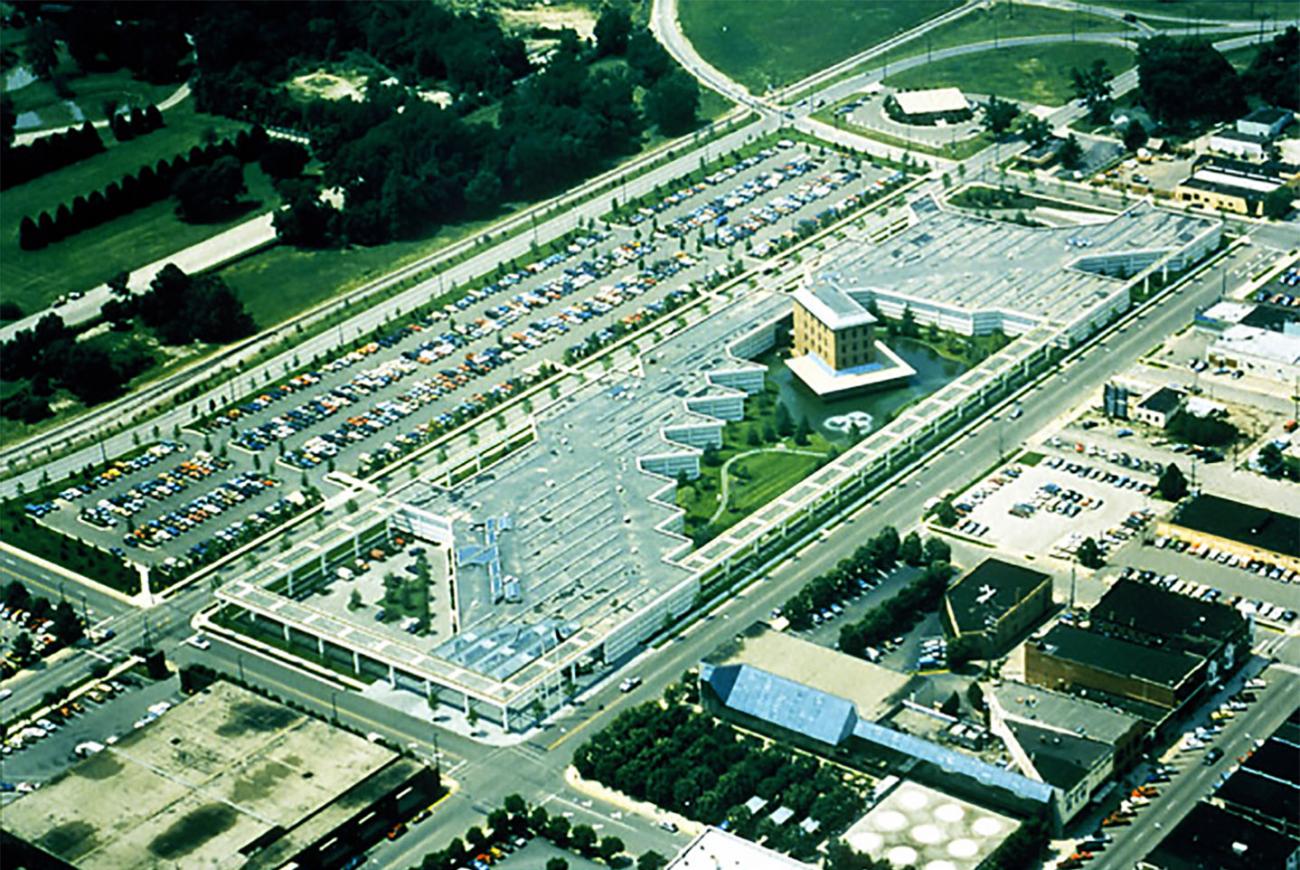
(714, 849)
(932, 101)
(1266, 344)
(916, 826)
(1245, 523)
(1267, 115)
(835, 310)
(1062, 760)
(1210, 837)
(1237, 136)
(209, 777)
(1047, 275)
(987, 593)
(1181, 620)
(872, 690)
(1124, 658)
(1064, 712)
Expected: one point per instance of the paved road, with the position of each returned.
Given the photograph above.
(244, 238)
(1196, 779)
(174, 98)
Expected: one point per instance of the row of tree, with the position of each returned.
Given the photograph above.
(181, 309)
(22, 163)
(881, 552)
(128, 124)
(202, 189)
(901, 612)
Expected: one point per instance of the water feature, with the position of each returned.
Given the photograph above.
(835, 419)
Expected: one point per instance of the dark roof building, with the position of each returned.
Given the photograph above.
(996, 603)
(1164, 400)
(1257, 528)
(1068, 658)
(1158, 617)
(1210, 838)
(1266, 788)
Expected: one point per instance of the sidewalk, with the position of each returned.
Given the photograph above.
(645, 810)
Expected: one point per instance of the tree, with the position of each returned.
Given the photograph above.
(961, 650)
(612, 29)
(1187, 82)
(41, 49)
(1135, 135)
(283, 159)
(1172, 485)
(1275, 70)
(910, 549)
(207, 193)
(651, 860)
(1271, 460)
(583, 838)
(999, 115)
(1035, 130)
(557, 863)
(1090, 555)
(557, 830)
(610, 847)
(907, 325)
(23, 647)
(1071, 153)
(945, 513)
(646, 57)
(784, 422)
(67, 625)
(1277, 203)
(802, 432)
(671, 103)
(1092, 86)
(937, 550)
(538, 818)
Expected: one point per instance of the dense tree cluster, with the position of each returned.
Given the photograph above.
(1186, 83)
(149, 39)
(689, 763)
(49, 356)
(1092, 86)
(182, 308)
(1274, 74)
(1210, 430)
(22, 163)
(1172, 484)
(144, 187)
(67, 628)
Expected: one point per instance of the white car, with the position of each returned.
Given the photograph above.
(198, 641)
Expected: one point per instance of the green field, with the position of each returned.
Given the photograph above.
(33, 279)
(89, 94)
(280, 282)
(1038, 74)
(771, 43)
(1210, 10)
(1002, 22)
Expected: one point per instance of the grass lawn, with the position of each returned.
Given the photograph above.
(775, 42)
(22, 532)
(1211, 10)
(1002, 21)
(1240, 58)
(1032, 73)
(984, 197)
(40, 103)
(33, 279)
(754, 480)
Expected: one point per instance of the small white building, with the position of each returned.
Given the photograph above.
(1238, 144)
(1157, 408)
(1262, 353)
(935, 101)
(1266, 123)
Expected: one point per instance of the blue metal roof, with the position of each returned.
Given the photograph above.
(954, 762)
(794, 706)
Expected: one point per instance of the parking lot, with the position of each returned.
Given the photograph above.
(98, 718)
(243, 468)
(1054, 505)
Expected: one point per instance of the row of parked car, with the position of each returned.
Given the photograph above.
(237, 533)
(726, 173)
(114, 472)
(1092, 472)
(1205, 592)
(193, 514)
(108, 511)
(782, 206)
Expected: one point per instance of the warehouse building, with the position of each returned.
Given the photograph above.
(1243, 530)
(1224, 184)
(1068, 658)
(975, 276)
(829, 703)
(224, 779)
(995, 604)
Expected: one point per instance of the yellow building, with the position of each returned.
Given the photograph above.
(1233, 185)
(1242, 530)
(843, 339)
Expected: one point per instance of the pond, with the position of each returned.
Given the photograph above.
(870, 410)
